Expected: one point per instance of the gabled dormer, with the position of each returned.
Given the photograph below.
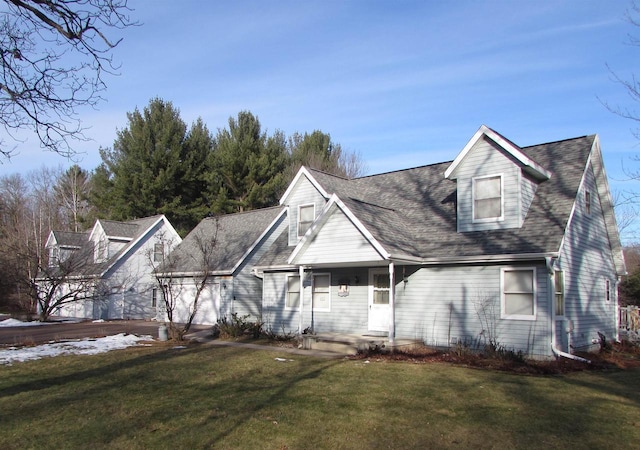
(62, 244)
(496, 182)
(304, 198)
(98, 239)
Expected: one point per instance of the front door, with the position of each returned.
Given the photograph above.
(379, 291)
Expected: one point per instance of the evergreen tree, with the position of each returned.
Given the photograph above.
(156, 167)
(246, 169)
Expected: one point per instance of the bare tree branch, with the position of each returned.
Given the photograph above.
(53, 57)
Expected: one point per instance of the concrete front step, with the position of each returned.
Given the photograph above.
(347, 344)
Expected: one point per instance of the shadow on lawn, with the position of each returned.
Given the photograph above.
(98, 371)
(219, 388)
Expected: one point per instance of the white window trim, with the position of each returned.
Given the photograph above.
(372, 288)
(503, 314)
(286, 294)
(473, 199)
(298, 219)
(564, 294)
(313, 287)
(158, 255)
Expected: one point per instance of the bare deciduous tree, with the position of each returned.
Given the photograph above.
(53, 57)
(184, 274)
(62, 282)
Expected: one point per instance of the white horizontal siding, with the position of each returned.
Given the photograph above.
(347, 314)
(439, 305)
(246, 298)
(338, 241)
(485, 159)
(274, 315)
(302, 194)
(587, 261)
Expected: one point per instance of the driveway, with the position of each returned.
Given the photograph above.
(57, 331)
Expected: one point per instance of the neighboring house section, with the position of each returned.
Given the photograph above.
(118, 258)
(506, 246)
(220, 253)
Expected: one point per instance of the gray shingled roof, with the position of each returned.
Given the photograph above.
(234, 235)
(70, 238)
(412, 212)
(130, 230)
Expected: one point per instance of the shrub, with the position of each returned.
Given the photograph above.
(282, 336)
(238, 326)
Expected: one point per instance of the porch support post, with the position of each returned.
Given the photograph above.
(300, 309)
(392, 304)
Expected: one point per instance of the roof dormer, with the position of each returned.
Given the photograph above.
(496, 182)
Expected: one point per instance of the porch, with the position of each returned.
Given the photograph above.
(629, 323)
(350, 344)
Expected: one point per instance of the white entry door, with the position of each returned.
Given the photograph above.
(379, 291)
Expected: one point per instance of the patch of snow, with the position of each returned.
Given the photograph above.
(19, 323)
(97, 321)
(81, 347)
(283, 360)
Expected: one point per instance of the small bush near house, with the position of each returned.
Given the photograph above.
(282, 336)
(238, 326)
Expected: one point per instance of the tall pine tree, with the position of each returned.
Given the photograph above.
(246, 169)
(156, 167)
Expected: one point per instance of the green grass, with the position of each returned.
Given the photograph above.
(204, 397)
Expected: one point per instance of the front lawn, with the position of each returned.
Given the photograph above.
(204, 396)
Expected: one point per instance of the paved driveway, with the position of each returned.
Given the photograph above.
(56, 331)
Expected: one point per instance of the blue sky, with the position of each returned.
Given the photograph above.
(405, 83)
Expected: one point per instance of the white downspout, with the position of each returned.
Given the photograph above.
(300, 309)
(617, 309)
(392, 304)
(552, 293)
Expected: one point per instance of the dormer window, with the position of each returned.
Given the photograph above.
(102, 253)
(158, 252)
(306, 214)
(487, 198)
(54, 256)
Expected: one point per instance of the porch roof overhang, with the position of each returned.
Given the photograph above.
(402, 260)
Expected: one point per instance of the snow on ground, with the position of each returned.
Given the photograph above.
(19, 323)
(81, 347)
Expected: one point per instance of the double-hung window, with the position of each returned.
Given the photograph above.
(381, 288)
(487, 198)
(158, 252)
(321, 295)
(54, 256)
(518, 293)
(293, 292)
(306, 214)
